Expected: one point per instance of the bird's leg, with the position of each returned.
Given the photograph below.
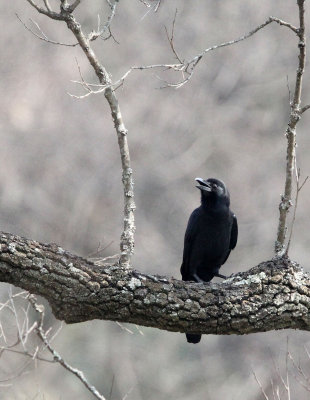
(196, 278)
(220, 276)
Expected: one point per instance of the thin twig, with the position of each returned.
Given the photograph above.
(101, 261)
(99, 250)
(43, 37)
(287, 386)
(49, 13)
(305, 108)
(73, 6)
(28, 354)
(187, 68)
(301, 373)
(124, 328)
(47, 5)
(260, 385)
(56, 356)
(145, 3)
(298, 189)
(171, 38)
(157, 5)
(106, 27)
(111, 389)
(20, 333)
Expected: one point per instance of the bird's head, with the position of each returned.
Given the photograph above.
(212, 189)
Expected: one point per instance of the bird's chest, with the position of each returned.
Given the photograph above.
(213, 234)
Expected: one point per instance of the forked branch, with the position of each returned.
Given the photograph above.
(187, 67)
(66, 10)
(56, 356)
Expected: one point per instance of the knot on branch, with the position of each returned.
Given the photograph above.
(291, 131)
(301, 44)
(285, 203)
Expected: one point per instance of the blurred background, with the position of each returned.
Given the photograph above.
(60, 180)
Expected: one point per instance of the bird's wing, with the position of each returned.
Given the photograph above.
(190, 234)
(234, 233)
(233, 237)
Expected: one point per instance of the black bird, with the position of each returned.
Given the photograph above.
(211, 234)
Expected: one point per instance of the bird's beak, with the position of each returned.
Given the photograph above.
(203, 185)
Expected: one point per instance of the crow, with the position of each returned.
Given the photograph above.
(211, 234)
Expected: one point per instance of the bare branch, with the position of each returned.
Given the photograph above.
(99, 250)
(127, 236)
(157, 5)
(298, 189)
(33, 356)
(284, 23)
(56, 356)
(73, 6)
(50, 14)
(106, 27)
(43, 37)
(305, 108)
(171, 38)
(186, 68)
(260, 385)
(47, 5)
(145, 3)
(197, 58)
(286, 198)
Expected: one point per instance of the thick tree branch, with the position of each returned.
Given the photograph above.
(272, 295)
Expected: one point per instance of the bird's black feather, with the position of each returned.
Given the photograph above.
(211, 234)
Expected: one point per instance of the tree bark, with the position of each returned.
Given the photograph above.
(273, 295)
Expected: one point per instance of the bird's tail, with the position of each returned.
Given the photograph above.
(192, 338)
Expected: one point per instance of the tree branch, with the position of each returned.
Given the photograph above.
(273, 295)
(47, 12)
(56, 356)
(187, 67)
(305, 108)
(73, 6)
(286, 199)
(43, 36)
(127, 237)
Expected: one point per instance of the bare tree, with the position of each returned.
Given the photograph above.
(273, 295)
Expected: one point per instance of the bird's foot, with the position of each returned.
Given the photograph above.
(197, 279)
(220, 276)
